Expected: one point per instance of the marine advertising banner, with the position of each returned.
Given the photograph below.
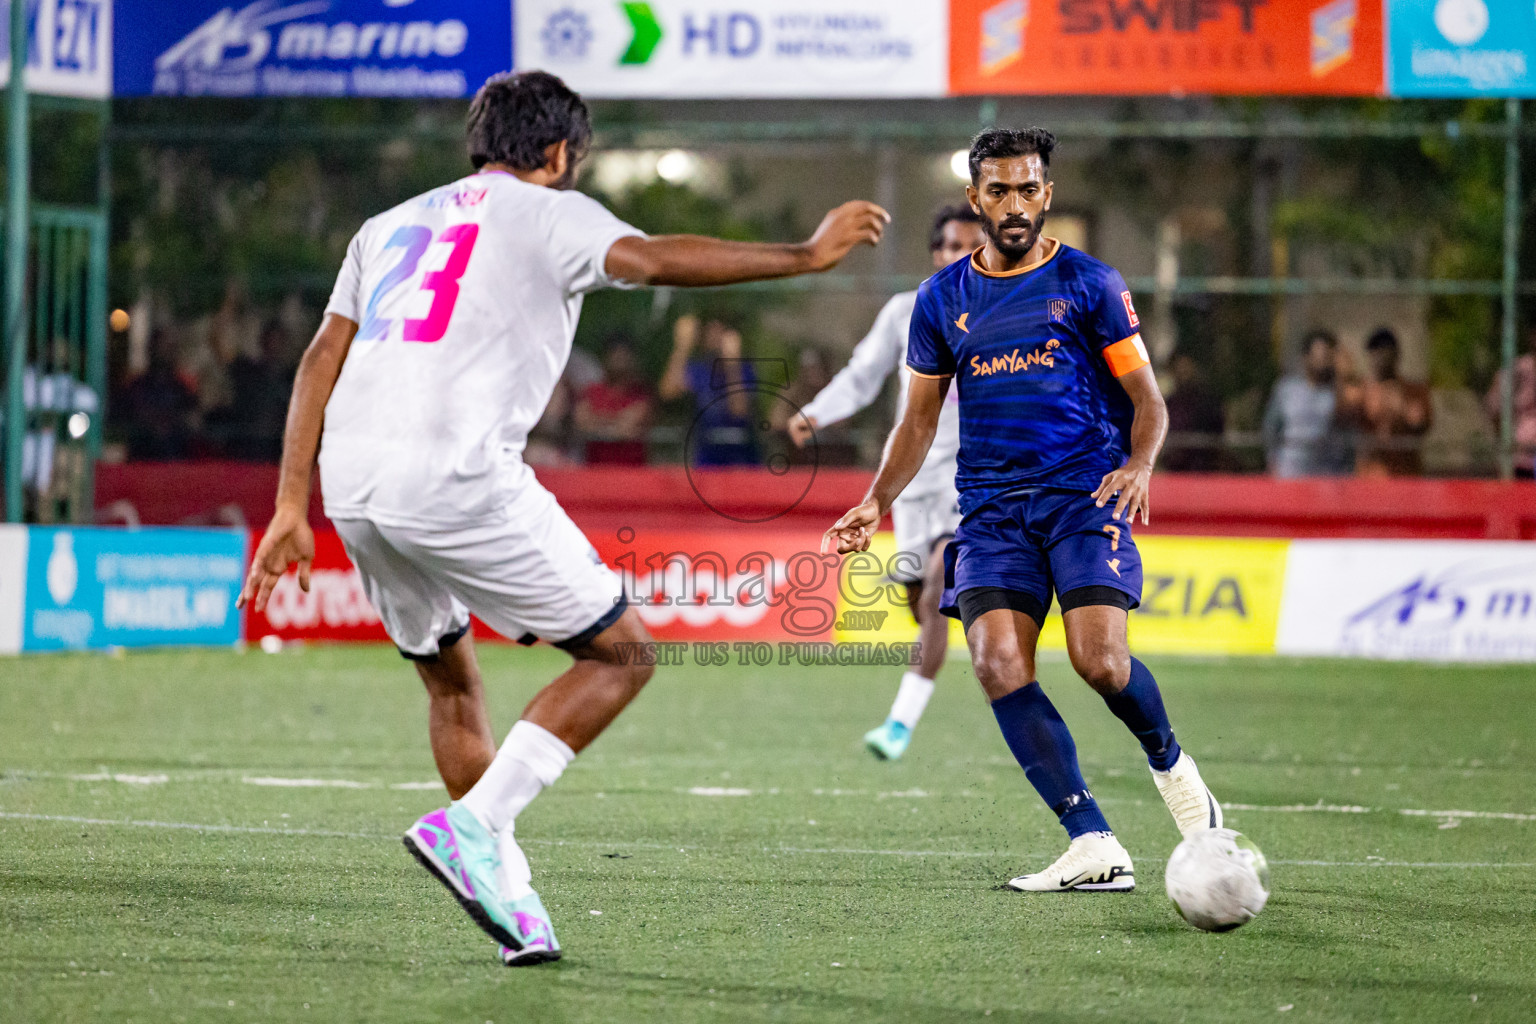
(335, 608)
(1411, 600)
(1174, 47)
(97, 587)
(1461, 47)
(739, 49)
(413, 48)
(69, 47)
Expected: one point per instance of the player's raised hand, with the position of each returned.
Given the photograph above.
(288, 540)
(853, 531)
(853, 223)
(1133, 482)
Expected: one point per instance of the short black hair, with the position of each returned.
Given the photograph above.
(957, 212)
(517, 115)
(1319, 334)
(1001, 143)
(1381, 337)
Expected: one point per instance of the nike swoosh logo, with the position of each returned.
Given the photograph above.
(961, 323)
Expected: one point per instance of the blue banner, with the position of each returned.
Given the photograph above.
(96, 587)
(1461, 48)
(419, 48)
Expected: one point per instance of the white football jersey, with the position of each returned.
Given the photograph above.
(884, 350)
(467, 300)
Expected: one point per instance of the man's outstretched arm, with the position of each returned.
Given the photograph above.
(904, 453)
(288, 538)
(696, 261)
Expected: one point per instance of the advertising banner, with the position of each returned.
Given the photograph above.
(1143, 47)
(417, 48)
(1461, 48)
(334, 609)
(769, 585)
(92, 588)
(1202, 595)
(745, 48)
(1411, 600)
(13, 586)
(69, 47)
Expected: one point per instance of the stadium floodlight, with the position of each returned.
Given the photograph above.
(677, 166)
(79, 424)
(960, 164)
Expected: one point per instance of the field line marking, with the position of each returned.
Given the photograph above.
(190, 826)
(281, 781)
(630, 844)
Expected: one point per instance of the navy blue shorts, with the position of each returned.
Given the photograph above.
(1019, 550)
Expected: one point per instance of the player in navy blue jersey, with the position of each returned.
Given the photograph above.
(1060, 424)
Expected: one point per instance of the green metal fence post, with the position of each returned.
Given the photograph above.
(1511, 272)
(16, 223)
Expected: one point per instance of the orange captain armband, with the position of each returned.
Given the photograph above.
(1126, 356)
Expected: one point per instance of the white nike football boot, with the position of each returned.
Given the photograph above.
(1095, 862)
(1189, 801)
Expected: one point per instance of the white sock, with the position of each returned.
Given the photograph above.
(911, 699)
(530, 759)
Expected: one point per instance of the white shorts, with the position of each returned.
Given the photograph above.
(921, 521)
(532, 576)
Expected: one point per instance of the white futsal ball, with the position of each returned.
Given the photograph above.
(1218, 879)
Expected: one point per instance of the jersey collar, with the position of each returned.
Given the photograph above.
(976, 262)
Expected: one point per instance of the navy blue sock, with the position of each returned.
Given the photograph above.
(1044, 749)
(1140, 707)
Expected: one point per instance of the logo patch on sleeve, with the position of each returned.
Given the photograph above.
(1130, 310)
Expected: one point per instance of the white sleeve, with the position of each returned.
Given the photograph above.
(580, 232)
(859, 383)
(345, 300)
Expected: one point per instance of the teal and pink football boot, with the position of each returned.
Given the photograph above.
(459, 852)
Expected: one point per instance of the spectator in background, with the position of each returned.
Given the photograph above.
(1391, 414)
(550, 441)
(1525, 413)
(1301, 432)
(614, 414)
(253, 422)
(721, 383)
(834, 443)
(158, 406)
(1195, 420)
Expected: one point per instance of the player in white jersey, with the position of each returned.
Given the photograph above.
(450, 324)
(926, 514)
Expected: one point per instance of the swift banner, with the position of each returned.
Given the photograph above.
(310, 47)
(746, 48)
(1144, 47)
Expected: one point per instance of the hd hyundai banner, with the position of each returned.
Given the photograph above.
(417, 48)
(1173, 47)
(743, 48)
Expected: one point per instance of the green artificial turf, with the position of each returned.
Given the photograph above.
(803, 881)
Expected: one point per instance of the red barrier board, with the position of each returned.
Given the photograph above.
(334, 609)
(1143, 47)
(716, 585)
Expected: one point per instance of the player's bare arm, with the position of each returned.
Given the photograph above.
(904, 453)
(697, 261)
(288, 538)
(1149, 429)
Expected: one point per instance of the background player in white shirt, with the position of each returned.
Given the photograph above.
(449, 327)
(926, 514)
